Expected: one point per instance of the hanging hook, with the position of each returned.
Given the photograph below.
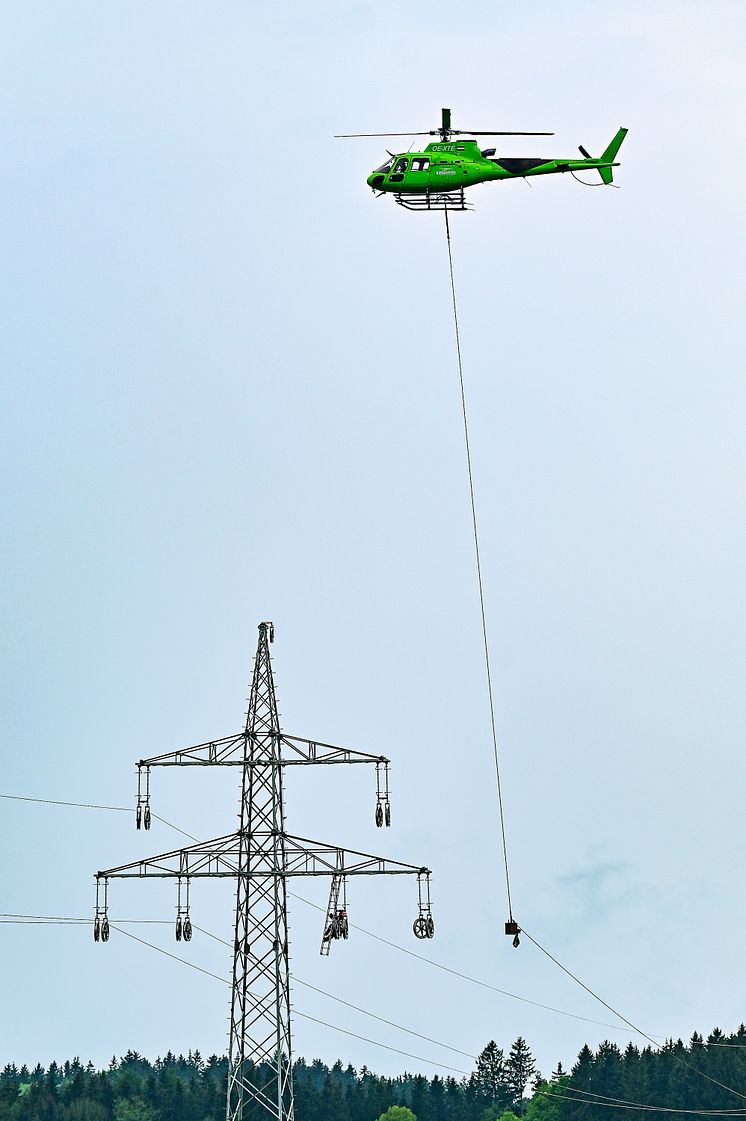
(512, 927)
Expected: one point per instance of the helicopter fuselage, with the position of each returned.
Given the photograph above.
(451, 166)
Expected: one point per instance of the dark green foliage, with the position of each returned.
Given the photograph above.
(488, 1085)
(176, 1088)
(519, 1070)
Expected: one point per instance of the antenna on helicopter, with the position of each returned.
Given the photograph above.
(445, 132)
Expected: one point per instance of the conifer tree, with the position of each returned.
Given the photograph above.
(488, 1082)
(520, 1067)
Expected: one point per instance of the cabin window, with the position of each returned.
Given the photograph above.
(385, 167)
(420, 164)
(400, 166)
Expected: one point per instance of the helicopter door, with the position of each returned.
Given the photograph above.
(399, 171)
(419, 174)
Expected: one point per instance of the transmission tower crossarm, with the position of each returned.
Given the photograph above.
(315, 858)
(230, 751)
(315, 751)
(225, 751)
(219, 858)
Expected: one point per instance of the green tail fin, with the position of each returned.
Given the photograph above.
(609, 156)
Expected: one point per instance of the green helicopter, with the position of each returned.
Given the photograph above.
(438, 177)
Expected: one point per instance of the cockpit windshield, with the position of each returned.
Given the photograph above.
(386, 167)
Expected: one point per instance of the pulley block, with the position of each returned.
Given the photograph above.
(420, 927)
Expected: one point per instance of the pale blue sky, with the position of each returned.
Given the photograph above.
(230, 394)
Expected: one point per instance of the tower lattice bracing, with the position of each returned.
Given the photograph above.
(262, 856)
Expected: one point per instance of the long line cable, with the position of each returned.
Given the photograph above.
(479, 571)
(489, 679)
(658, 1046)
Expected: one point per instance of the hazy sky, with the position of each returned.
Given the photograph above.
(230, 394)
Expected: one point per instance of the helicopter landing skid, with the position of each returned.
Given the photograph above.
(434, 200)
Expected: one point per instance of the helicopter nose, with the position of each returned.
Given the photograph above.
(375, 182)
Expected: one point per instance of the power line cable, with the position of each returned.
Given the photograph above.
(59, 802)
(642, 1105)
(588, 1097)
(76, 920)
(382, 1020)
(620, 1104)
(174, 957)
(304, 1015)
(368, 933)
(462, 976)
(93, 806)
(36, 920)
(171, 825)
(355, 1007)
(375, 1043)
(479, 573)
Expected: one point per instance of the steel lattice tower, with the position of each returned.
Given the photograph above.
(260, 996)
(262, 856)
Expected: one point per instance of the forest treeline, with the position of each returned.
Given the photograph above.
(705, 1074)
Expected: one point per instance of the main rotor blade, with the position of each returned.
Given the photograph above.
(475, 132)
(354, 135)
(436, 132)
